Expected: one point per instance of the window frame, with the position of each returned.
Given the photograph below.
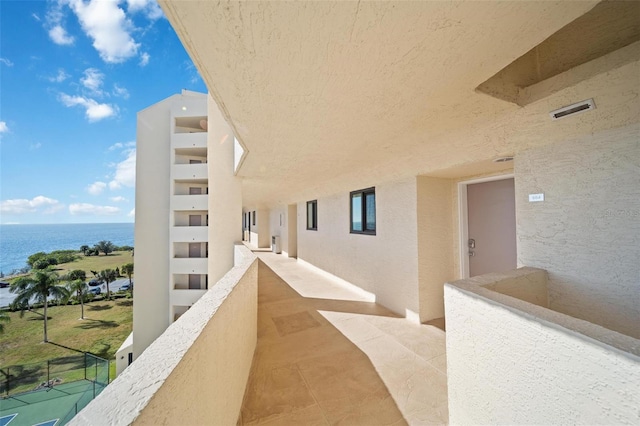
(363, 207)
(314, 206)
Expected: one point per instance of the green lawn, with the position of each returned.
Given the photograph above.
(106, 325)
(96, 263)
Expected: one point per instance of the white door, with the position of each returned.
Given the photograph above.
(492, 227)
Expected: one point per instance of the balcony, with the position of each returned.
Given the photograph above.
(191, 234)
(190, 172)
(189, 140)
(186, 297)
(189, 265)
(321, 353)
(190, 202)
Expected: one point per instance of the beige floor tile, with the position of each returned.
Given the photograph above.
(310, 416)
(326, 355)
(294, 323)
(440, 363)
(273, 392)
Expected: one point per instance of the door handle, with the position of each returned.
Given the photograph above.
(472, 243)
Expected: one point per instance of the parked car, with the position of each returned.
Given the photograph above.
(95, 290)
(125, 287)
(94, 283)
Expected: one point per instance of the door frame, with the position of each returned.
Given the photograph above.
(463, 218)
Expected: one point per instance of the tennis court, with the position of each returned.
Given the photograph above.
(53, 406)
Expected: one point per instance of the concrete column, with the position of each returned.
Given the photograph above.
(225, 195)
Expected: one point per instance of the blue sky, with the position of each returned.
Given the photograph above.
(73, 75)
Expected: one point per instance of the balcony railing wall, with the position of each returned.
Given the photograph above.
(197, 370)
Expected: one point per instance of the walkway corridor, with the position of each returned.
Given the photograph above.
(328, 355)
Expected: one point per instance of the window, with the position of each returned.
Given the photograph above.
(312, 215)
(254, 218)
(363, 211)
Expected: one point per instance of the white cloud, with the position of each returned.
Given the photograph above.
(60, 77)
(6, 62)
(116, 145)
(94, 111)
(60, 36)
(36, 204)
(118, 199)
(106, 23)
(36, 17)
(91, 209)
(96, 188)
(35, 146)
(132, 213)
(125, 172)
(92, 80)
(120, 91)
(3, 127)
(144, 59)
(149, 7)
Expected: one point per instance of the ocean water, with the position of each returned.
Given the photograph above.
(18, 242)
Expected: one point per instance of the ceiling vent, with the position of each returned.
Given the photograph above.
(574, 109)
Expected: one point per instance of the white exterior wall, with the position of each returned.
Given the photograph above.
(225, 195)
(586, 232)
(384, 264)
(156, 244)
(151, 235)
(510, 362)
(260, 228)
(278, 226)
(122, 355)
(435, 218)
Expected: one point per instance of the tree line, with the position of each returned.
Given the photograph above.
(42, 260)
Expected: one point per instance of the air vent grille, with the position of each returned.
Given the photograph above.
(573, 109)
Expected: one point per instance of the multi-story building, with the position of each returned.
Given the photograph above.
(478, 161)
(172, 214)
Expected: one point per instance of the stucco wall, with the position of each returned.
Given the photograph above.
(384, 264)
(527, 284)
(510, 362)
(586, 232)
(196, 371)
(278, 226)
(225, 195)
(152, 224)
(435, 219)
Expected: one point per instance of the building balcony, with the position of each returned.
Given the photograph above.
(190, 202)
(189, 234)
(188, 172)
(186, 297)
(189, 265)
(189, 140)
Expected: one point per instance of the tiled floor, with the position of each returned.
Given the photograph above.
(328, 355)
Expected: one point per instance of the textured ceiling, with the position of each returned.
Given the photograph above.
(330, 94)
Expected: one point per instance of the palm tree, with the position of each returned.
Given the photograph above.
(127, 269)
(4, 317)
(108, 276)
(40, 286)
(80, 288)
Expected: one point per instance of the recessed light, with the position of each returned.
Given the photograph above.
(184, 108)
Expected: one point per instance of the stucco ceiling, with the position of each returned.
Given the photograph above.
(330, 94)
